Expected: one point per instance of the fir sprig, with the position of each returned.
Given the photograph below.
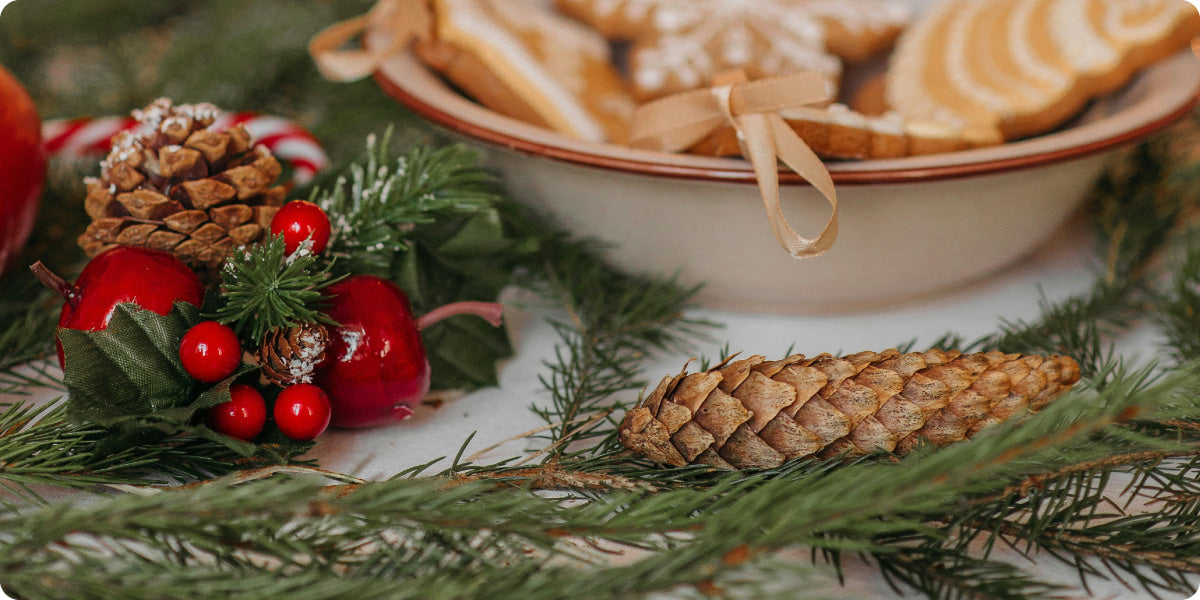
(263, 287)
(378, 208)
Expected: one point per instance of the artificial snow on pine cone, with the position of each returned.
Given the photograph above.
(754, 413)
(290, 355)
(178, 186)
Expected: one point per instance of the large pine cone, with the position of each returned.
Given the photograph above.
(183, 188)
(755, 413)
(290, 355)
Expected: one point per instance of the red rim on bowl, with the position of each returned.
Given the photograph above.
(1159, 96)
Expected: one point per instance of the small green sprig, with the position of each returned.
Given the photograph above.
(263, 287)
(376, 211)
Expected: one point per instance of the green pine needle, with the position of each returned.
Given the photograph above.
(377, 210)
(264, 288)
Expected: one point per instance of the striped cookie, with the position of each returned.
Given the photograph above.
(1022, 67)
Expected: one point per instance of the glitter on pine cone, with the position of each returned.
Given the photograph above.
(754, 413)
(180, 187)
(290, 355)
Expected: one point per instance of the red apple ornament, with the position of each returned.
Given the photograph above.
(376, 369)
(22, 167)
(152, 279)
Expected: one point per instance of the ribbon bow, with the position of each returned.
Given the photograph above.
(403, 20)
(680, 121)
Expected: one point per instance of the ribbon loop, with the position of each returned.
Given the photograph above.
(402, 20)
(679, 122)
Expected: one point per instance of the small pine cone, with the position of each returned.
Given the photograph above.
(290, 355)
(183, 188)
(754, 413)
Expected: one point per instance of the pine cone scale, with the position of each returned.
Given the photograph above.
(753, 414)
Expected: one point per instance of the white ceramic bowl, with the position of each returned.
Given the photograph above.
(909, 226)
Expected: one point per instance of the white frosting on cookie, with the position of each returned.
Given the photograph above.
(1078, 40)
(685, 42)
(1020, 44)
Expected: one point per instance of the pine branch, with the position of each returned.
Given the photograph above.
(417, 532)
(264, 288)
(1178, 313)
(40, 447)
(942, 575)
(614, 321)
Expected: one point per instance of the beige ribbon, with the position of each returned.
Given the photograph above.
(404, 20)
(681, 121)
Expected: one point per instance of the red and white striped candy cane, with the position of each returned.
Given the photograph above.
(285, 139)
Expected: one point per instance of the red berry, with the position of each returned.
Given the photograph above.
(299, 220)
(243, 416)
(302, 411)
(210, 352)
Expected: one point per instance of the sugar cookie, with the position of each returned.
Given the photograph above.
(838, 132)
(679, 45)
(523, 60)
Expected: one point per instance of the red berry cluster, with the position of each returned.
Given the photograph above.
(210, 352)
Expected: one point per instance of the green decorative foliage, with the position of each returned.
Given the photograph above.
(263, 288)
(129, 369)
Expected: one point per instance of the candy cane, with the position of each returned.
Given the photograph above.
(285, 139)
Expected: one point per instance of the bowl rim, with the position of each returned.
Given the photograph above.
(1078, 142)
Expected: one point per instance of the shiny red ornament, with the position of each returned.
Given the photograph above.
(300, 220)
(22, 167)
(210, 352)
(242, 417)
(376, 370)
(302, 411)
(152, 279)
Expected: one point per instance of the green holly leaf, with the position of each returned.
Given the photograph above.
(129, 369)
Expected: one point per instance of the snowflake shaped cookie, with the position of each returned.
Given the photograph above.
(680, 44)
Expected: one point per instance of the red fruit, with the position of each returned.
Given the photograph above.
(302, 411)
(210, 352)
(22, 167)
(299, 220)
(376, 369)
(242, 417)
